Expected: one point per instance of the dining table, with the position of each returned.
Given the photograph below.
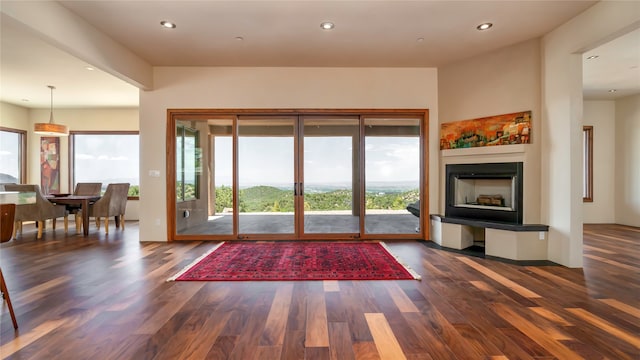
(83, 200)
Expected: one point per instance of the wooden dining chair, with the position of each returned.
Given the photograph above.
(112, 203)
(39, 211)
(7, 216)
(7, 298)
(86, 189)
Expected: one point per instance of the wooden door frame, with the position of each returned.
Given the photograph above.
(173, 115)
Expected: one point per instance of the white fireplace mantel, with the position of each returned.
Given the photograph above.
(486, 150)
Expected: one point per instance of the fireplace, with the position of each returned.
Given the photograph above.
(485, 192)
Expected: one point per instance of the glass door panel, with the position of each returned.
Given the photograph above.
(191, 190)
(221, 197)
(331, 175)
(266, 168)
(392, 173)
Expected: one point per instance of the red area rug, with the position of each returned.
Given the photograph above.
(296, 260)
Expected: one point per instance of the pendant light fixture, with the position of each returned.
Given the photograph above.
(51, 128)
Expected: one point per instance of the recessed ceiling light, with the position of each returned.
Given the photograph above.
(89, 68)
(327, 25)
(592, 57)
(168, 24)
(420, 39)
(484, 26)
(612, 90)
(239, 38)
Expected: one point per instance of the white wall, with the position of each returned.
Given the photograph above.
(627, 168)
(601, 115)
(14, 117)
(296, 88)
(501, 82)
(562, 115)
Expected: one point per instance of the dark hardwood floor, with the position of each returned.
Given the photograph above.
(105, 297)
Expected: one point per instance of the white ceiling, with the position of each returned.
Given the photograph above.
(287, 33)
(616, 67)
(28, 64)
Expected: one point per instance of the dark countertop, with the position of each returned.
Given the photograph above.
(492, 224)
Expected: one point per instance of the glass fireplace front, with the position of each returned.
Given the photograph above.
(485, 191)
(493, 193)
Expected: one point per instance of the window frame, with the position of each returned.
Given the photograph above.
(22, 152)
(587, 161)
(99, 132)
(181, 132)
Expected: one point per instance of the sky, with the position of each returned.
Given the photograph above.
(327, 160)
(104, 158)
(9, 160)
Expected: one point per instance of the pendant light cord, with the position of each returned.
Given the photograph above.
(51, 111)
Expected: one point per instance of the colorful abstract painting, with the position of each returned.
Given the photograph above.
(504, 129)
(49, 165)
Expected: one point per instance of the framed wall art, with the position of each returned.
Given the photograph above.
(504, 129)
(50, 165)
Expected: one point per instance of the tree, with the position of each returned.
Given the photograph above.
(134, 190)
(224, 198)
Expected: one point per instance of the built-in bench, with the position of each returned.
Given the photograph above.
(504, 240)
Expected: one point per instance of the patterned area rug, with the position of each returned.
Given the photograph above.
(296, 260)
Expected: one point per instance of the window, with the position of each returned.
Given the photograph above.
(106, 157)
(587, 164)
(188, 163)
(13, 149)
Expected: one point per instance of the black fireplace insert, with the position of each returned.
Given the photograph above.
(485, 191)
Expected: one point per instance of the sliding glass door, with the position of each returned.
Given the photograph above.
(330, 181)
(266, 179)
(220, 220)
(298, 176)
(392, 173)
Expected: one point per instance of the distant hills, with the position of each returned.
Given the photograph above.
(264, 198)
(8, 179)
(372, 186)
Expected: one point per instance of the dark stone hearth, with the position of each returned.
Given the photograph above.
(478, 251)
(495, 224)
